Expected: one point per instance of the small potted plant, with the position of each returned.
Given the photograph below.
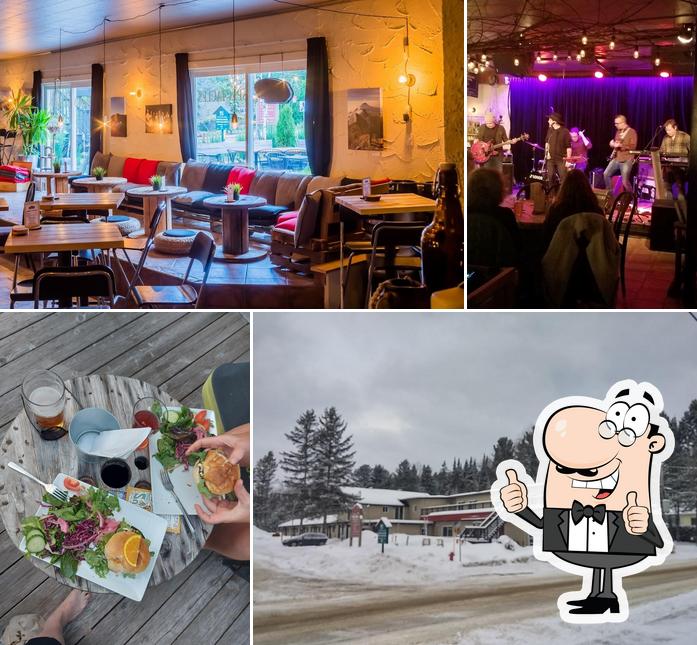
(56, 165)
(233, 192)
(156, 182)
(99, 173)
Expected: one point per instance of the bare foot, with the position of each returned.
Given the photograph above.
(72, 606)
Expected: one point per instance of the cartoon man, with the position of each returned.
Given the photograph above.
(600, 472)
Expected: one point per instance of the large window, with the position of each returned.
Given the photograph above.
(267, 135)
(72, 140)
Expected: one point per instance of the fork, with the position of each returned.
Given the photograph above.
(49, 488)
(167, 483)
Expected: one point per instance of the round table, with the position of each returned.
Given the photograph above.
(61, 179)
(151, 199)
(20, 496)
(104, 185)
(235, 218)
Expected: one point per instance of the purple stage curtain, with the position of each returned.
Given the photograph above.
(592, 104)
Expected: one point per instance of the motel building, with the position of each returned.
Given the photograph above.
(466, 515)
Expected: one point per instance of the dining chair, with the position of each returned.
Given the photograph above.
(621, 224)
(79, 283)
(184, 294)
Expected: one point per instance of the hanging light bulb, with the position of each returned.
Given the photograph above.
(584, 38)
(612, 41)
(578, 57)
(60, 121)
(516, 62)
(555, 57)
(235, 122)
(484, 57)
(582, 53)
(657, 61)
(539, 57)
(636, 51)
(470, 66)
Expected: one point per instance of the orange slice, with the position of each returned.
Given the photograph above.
(131, 549)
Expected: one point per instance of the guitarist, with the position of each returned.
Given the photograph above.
(621, 161)
(493, 133)
(557, 146)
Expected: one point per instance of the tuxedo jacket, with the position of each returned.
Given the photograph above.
(555, 532)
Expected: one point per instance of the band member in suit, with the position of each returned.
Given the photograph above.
(557, 146)
(494, 133)
(676, 143)
(621, 161)
(600, 472)
(580, 145)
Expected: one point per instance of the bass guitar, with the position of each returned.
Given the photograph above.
(482, 151)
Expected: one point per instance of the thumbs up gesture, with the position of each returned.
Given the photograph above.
(514, 495)
(636, 518)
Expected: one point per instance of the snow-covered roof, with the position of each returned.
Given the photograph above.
(467, 510)
(381, 496)
(331, 519)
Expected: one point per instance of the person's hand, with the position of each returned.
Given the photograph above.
(636, 518)
(234, 443)
(224, 512)
(515, 494)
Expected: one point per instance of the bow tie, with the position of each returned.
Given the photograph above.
(579, 511)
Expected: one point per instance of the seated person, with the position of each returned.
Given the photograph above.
(575, 196)
(676, 143)
(493, 236)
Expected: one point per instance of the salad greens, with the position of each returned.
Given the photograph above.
(179, 429)
(75, 530)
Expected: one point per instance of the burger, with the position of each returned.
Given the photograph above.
(215, 476)
(127, 552)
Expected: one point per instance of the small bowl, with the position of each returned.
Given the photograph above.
(85, 425)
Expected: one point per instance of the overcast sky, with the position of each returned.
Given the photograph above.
(430, 386)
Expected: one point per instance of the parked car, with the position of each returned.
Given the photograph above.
(306, 539)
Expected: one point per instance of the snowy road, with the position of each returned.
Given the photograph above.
(481, 609)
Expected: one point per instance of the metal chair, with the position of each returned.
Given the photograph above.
(184, 294)
(623, 202)
(70, 284)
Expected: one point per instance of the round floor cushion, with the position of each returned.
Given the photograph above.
(175, 241)
(126, 224)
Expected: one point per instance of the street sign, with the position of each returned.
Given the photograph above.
(383, 529)
(356, 523)
(222, 118)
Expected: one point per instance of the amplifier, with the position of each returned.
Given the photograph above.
(508, 177)
(663, 218)
(597, 180)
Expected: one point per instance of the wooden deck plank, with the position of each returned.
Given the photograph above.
(238, 632)
(22, 577)
(20, 320)
(193, 596)
(209, 625)
(194, 400)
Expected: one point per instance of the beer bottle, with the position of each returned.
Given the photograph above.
(443, 240)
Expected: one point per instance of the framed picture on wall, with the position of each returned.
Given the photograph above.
(118, 125)
(365, 119)
(158, 119)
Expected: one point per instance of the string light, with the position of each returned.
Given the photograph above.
(582, 53)
(612, 41)
(516, 62)
(555, 57)
(657, 62)
(636, 52)
(539, 57)
(578, 57)
(470, 65)
(584, 38)
(234, 120)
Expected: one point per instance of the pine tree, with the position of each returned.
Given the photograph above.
(470, 476)
(380, 477)
(443, 480)
(405, 477)
(524, 452)
(264, 473)
(487, 473)
(427, 482)
(686, 462)
(332, 465)
(503, 449)
(363, 475)
(285, 129)
(298, 463)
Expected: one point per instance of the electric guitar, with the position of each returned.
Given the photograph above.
(482, 151)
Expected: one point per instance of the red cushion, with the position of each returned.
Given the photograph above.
(284, 217)
(376, 182)
(130, 169)
(146, 169)
(242, 176)
(288, 225)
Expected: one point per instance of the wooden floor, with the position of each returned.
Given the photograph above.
(207, 603)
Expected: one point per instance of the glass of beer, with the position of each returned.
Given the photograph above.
(43, 394)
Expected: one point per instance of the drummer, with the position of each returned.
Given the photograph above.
(580, 145)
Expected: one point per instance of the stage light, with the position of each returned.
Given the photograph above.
(555, 57)
(636, 52)
(584, 39)
(542, 78)
(599, 74)
(664, 74)
(539, 57)
(686, 34)
(516, 62)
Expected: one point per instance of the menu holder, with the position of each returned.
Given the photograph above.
(367, 192)
(32, 215)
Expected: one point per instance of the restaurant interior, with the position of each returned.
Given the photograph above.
(232, 154)
(579, 117)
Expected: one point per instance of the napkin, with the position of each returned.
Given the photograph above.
(113, 443)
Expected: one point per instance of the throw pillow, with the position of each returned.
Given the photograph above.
(100, 159)
(307, 218)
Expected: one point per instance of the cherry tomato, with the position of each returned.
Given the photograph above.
(72, 484)
(200, 417)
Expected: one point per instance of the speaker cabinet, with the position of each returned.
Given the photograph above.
(508, 178)
(663, 218)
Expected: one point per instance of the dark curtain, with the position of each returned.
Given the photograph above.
(96, 110)
(592, 104)
(185, 108)
(36, 89)
(318, 109)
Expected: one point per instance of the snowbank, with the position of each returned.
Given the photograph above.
(405, 560)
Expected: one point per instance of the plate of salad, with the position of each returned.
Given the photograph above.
(96, 536)
(179, 428)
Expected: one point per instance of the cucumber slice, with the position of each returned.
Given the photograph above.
(36, 544)
(34, 533)
(172, 416)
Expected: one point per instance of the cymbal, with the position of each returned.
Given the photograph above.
(535, 145)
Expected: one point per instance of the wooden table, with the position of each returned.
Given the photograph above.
(46, 459)
(4, 206)
(94, 185)
(175, 351)
(66, 237)
(151, 200)
(525, 216)
(389, 204)
(82, 201)
(60, 178)
(235, 218)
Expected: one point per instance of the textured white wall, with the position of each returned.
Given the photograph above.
(363, 52)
